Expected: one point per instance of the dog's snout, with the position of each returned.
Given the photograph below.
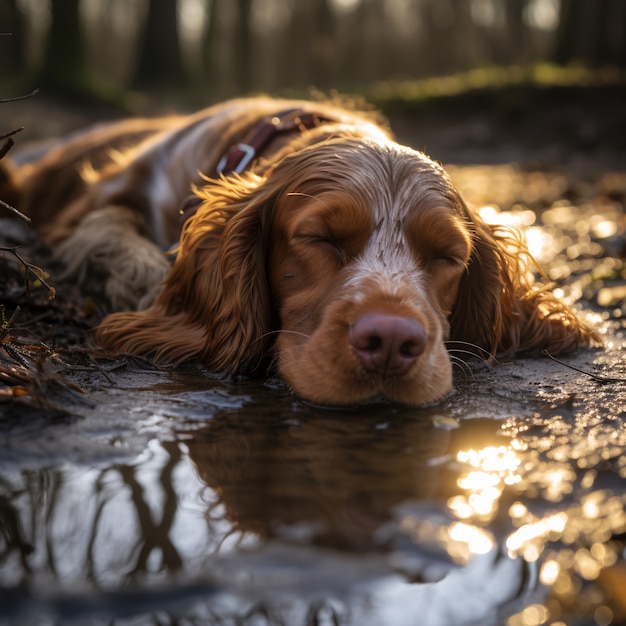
(387, 344)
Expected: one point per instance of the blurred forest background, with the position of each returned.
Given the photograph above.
(212, 49)
(467, 80)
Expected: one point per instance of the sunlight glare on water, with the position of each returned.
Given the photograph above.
(599, 516)
(491, 469)
(593, 520)
(533, 615)
(541, 244)
(473, 540)
(461, 540)
(519, 218)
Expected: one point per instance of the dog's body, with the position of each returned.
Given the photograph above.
(349, 259)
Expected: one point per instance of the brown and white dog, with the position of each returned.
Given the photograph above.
(312, 239)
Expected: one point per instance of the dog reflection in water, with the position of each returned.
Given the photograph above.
(335, 484)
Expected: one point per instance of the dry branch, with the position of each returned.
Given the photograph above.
(37, 272)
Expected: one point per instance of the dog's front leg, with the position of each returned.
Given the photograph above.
(109, 254)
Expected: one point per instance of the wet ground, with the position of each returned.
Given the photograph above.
(131, 496)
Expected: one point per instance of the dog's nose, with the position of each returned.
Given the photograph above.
(387, 344)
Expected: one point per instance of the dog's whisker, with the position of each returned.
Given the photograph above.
(271, 366)
(480, 354)
(292, 332)
(279, 331)
(452, 351)
(275, 358)
(462, 365)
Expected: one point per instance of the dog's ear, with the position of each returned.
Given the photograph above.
(500, 309)
(214, 307)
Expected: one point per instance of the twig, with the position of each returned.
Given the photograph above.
(16, 98)
(6, 324)
(8, 144)
(11, 133)
(14, 353)
(14, 210)
(33, 269)
(596, 377)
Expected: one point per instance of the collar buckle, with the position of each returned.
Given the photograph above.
(293, 120)
(247, 154)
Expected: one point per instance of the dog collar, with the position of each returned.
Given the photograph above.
(239, 156)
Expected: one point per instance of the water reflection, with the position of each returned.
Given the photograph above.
(332, 480)
(285, 512)
(256, 507)
(95, 528)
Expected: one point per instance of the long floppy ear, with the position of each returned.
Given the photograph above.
(214, 307)
(499, 307)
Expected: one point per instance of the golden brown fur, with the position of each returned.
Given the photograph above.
(348, 260)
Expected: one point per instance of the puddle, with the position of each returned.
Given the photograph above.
(185, 498)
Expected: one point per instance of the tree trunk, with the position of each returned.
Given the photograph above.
(592, 32)
(210, 46)
(64, 68)
(160, 62)
(323, 53)
(516, 33)
(12, 59)
(243, 46)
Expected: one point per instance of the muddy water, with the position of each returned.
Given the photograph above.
(178, 498)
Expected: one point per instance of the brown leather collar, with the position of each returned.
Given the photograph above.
(239, 156)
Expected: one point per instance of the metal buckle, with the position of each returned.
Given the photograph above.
(249, 153)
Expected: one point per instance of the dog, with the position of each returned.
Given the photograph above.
(288, 234)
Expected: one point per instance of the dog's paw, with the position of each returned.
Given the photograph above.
(108, 255)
